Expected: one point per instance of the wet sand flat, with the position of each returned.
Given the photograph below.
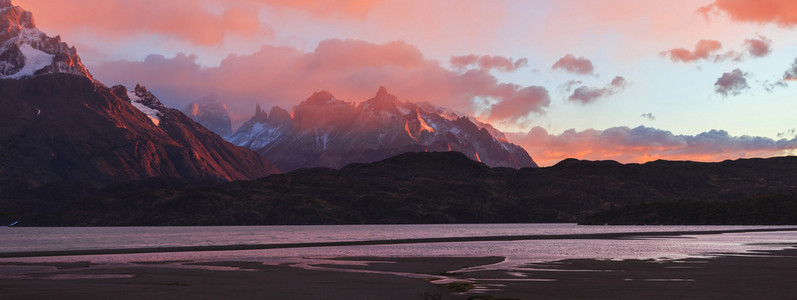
(758, 275)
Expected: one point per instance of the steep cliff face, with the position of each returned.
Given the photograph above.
(324, 131)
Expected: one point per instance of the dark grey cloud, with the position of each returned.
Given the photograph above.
(732, 83)
(771, 86)
(791, 73)
(649, 116)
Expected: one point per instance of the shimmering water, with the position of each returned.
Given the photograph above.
(70, 238)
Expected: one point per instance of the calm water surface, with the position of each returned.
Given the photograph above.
(15, 239)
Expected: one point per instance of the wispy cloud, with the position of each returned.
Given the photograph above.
(585, 94)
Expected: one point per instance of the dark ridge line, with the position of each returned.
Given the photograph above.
(620, 235)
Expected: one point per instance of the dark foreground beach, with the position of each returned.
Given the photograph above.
(758, 275)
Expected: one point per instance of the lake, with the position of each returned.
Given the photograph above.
(23, 239)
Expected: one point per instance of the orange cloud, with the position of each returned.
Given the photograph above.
(642, 144)
(184, 19)
(351, 69)
(780, 12)
(344, 8)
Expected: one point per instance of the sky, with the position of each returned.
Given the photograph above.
(625, 80)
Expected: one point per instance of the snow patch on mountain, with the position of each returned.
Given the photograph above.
(35, 60)
(153, 114)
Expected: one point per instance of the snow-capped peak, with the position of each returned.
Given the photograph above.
(26, 51)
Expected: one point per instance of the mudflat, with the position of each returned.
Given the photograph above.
(755, 275)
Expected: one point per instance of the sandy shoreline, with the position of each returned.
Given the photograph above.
(762, 274)
(623, 235)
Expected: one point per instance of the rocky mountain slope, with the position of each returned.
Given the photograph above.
(324, 131)
(58, 124)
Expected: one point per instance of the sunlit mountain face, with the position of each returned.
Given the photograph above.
(63, 127)
(324, 131)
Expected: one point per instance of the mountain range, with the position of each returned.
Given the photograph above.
(59, 124)
(324, 131)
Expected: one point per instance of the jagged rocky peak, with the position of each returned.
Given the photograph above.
(259, 112)
(25, 51)
(211, 113)
(321, 98)
(146, 102)
(279, 115)
(146, 97)
(382, 102)
(322, 109)
(121, 92)
(381, 92)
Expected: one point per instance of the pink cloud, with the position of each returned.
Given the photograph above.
(326, 8)
(488, 62)
(182, 19)
(585, 94)
(350, 69)
(519, 102)
(642, 144)
(758, 47)
(780, 12)
(703, 50)
(575, 65)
